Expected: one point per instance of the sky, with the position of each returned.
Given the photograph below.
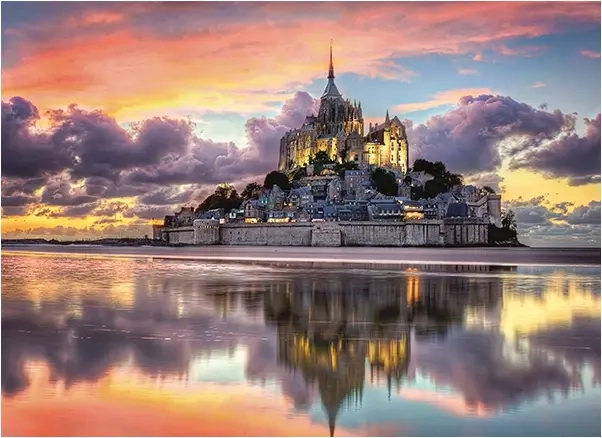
(114, 114)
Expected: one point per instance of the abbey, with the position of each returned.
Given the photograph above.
(338, 130)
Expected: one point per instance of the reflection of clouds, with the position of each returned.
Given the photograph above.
(160, 317)
(577, 345)
(474, 364)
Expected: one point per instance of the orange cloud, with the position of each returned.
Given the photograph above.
(449, 97)
(127, 403)
(246, 63)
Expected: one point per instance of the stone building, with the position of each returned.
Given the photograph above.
(338, 130)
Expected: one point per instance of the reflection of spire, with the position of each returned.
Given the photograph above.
(332, 419)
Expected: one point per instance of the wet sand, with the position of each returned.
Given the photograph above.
(372, 255)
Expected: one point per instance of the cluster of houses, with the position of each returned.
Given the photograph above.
(328, 197)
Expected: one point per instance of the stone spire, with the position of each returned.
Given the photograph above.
(387, 120)
(331, 67)
(331, 89)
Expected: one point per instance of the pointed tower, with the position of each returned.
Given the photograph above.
(331, 66)
(385, 153)
(331, 89)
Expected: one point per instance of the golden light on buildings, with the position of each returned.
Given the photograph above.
(414, 215)
(251, 220)
(279, 220)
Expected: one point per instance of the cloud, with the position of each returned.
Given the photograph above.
(467, 71)
(470, 138)
(538, 84)
(590, 54)
(540, 223)
(85, 157)
(134, 48)
(442, 98)
(525, 51)
(585, 214)
(566, 156)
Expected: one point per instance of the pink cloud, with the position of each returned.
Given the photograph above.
(590, 53)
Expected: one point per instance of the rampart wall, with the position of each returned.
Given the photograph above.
(459, 232)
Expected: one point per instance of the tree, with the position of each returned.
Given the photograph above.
(443, 180)
(299, 173)
(224, 190)
(225, 196)
(385, 182)
(276, 178)
(509, 220)
(347, 165)
(251, 191)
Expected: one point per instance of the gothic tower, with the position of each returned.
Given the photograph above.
(331, 116)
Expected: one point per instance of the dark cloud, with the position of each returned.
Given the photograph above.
(148, 211)
(17, 200)
(585, 214)
(26, 154)
(88, 150)
(568, 156)
(467, 139)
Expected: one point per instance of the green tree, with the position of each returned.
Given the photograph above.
(276, 178)
(251, 191)
(385, 182)
(443, 180)
(299, 173)
(225, 196)
(509, 220)
(340, 168)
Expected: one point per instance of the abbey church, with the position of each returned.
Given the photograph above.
(338, 130)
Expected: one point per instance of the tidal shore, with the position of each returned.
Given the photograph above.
(326, 256)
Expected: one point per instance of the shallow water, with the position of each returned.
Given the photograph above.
(97, 344)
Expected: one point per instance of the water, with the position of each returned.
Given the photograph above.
(111, 341)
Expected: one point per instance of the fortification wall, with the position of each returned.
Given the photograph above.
(465, 232)
(326, 234)
(206, 232)
(424, 233)
(180, 235)
(266, 234)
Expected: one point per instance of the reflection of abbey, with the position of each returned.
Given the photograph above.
(338, 130)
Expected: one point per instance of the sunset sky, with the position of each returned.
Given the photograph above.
(174, 98)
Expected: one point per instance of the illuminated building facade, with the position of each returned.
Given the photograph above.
(338, 130)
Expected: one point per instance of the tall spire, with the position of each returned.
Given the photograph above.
(387, 120)
(331, 66)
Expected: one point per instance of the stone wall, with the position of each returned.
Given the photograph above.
(457, 232)
(466, 232)
(326, 234)
(424, 233)
(206, 232)
(180, 235)
(266, 234)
